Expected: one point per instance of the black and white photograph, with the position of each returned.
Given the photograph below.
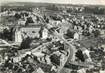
(52, 36)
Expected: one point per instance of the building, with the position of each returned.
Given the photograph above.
(32, 31)
(44, 33)
(102, 71)
(18, 35)
(81, 71)
(87, 55)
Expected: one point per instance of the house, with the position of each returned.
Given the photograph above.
(44, 33)
(81, 70)
(21, 22)
(102, 71)
(87, 55)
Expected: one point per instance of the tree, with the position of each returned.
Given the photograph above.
(80, 55)
(17, 16)
(55, 59)
(52, 7)
(96, 33)
(26, 43)
(29, 20)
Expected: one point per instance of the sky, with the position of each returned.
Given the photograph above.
(92, 2)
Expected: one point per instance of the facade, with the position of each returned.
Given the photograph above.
(44, 33)
(18, 36)
(32, 31)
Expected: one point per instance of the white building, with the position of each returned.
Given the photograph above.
(18, 36)
(102, 71)
(87, 53)
(81, 71)
(44, 33)
(76, 36)
(32, 32)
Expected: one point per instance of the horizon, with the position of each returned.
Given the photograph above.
(74, 2)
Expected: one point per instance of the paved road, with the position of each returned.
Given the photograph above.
(70, 49)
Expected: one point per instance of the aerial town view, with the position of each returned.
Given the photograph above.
(52, 38)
